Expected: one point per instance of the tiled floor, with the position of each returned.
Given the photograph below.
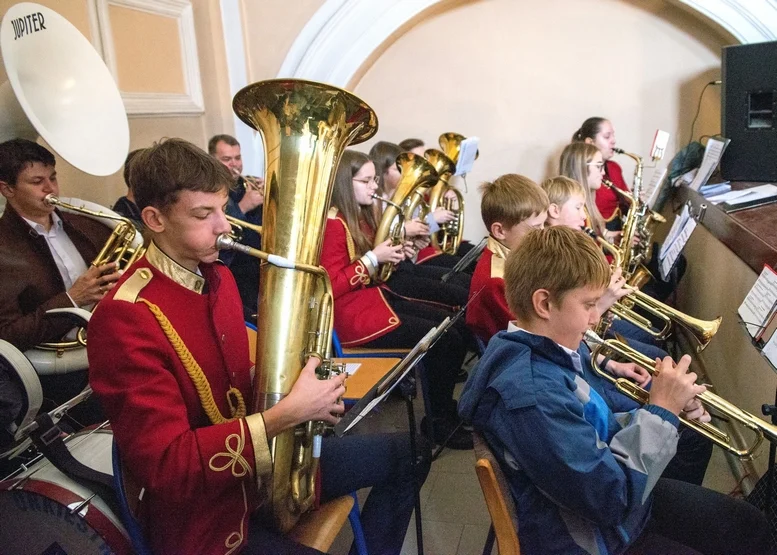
(455, 519)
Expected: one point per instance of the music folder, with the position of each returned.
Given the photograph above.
(381, 390)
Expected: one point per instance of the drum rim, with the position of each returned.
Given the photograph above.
(115, 537)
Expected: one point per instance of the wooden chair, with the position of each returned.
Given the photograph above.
(499, 501)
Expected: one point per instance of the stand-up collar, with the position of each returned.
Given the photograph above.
(173, 270)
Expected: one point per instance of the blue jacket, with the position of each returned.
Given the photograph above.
(581, 477)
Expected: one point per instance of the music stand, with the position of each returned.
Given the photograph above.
(382, 389)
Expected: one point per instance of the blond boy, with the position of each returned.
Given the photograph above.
(512, 205)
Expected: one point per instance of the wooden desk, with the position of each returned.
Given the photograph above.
(369, 373)
(725, 254)
(751, 234)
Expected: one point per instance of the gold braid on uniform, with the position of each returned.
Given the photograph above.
(196, 374)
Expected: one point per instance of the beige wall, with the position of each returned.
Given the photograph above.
(518, 75)
(522, 76)
(145, 130)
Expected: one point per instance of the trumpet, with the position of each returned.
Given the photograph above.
(253, 182)
(239, 226)
(756, 425)
(125, 244)
(701, 330)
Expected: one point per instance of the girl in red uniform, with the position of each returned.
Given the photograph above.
(600, 133)
(372, 315)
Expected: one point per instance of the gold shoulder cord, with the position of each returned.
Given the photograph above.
(196, 374)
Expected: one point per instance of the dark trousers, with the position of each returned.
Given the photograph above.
(418, 283)
(444, 359)
(688, 519)
(380, 461)
(432, 271)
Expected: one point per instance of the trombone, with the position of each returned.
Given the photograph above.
(759, 427)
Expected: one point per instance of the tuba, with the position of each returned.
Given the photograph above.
(305, 127)
(450, 144)
(416, 173)
(451, 233)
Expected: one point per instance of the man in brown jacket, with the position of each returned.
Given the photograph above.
(44, 255)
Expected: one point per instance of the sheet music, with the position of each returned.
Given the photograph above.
(674, 231)
(740, 196)
(653, 188)
(770, 349)
(760, 300)
(467, 152)
(352, 367)
(713, 152)
(677, 246)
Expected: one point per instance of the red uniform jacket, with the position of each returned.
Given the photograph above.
(608, 202)
(427, 253)
(361, 311)
(488, 313)
(202, 481)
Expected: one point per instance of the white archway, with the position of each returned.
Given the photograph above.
(343, 34)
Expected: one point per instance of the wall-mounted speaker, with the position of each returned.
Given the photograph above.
(749, 112)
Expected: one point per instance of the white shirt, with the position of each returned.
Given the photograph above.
(576, 362)
(67, 258)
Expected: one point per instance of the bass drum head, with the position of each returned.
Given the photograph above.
(40, 507)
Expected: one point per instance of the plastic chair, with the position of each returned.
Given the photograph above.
(499, 501)
(124, 493)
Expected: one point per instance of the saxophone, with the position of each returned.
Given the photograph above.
(416, 173)
(305, 128)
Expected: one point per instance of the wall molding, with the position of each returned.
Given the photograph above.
(343, 34)
(156, 104)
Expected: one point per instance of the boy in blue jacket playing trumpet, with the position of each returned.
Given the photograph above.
(586, 480)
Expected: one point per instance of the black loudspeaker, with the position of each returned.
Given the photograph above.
(749, 112)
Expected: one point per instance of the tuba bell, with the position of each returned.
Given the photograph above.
(451, 233)
(416, 173)
(305, 127)
(450, 144)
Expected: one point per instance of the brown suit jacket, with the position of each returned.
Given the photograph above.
(30, 283)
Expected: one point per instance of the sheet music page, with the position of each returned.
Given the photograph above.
(677, 247)
(758, 303)
(677, 226)
(467, 153)
(653, 188)
(352, 367)
(713, 152)
(770, 349)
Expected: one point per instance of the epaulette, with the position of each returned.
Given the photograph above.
(497, 267)
(332, 214)
(130, 290)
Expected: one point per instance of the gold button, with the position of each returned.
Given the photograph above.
(145, 273)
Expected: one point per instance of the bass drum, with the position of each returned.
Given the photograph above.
(46, 513)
